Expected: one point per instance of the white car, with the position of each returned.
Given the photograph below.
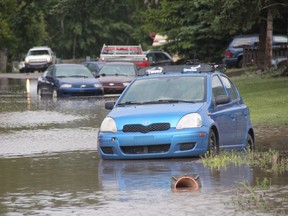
(39, 58)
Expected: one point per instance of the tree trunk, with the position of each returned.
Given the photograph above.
(3, 60)
(261, 45)
(74, 47)
(269, 38)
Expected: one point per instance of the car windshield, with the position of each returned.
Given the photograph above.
(38, 52)
(71, 71)
(118, 70)
(187, 89)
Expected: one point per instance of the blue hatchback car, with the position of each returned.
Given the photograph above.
(177, 111)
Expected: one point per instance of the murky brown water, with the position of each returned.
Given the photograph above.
(49, 166)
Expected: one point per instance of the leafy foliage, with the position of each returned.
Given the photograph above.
(78, 28)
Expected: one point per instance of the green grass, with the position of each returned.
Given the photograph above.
(268, 161)
(266, 97)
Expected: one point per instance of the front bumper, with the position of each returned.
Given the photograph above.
(66, 92)
(31, 66)
(230, 62)
(168, 144)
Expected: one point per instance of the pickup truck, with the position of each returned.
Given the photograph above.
(123, 53)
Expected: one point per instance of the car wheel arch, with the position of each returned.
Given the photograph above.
(213, 132)
(251, 132)
(250, 135)
(240, 61)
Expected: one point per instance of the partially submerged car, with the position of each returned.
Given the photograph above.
(115, 76)
(63, 80)
(176, 111)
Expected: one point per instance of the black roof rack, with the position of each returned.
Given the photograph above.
(191, 66)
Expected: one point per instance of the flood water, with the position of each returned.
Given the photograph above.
(49, 166)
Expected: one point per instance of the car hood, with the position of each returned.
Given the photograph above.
(155, 113)
(115, 79)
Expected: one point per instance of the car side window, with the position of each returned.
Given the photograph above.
(160, 57)
(151, 57)
(217, 87)
(230, 88)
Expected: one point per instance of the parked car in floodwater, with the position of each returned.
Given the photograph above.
(62, 80)
(176, 111)
(115, 76)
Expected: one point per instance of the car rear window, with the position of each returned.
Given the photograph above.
(240, 42)
(278, 40)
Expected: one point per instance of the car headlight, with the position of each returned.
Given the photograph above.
(66, 85)
(126, 83)
(108, 125)
(191, 120)
(97, 85)
(49, 59)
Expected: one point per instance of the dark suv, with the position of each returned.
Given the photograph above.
(234, 52)
(159, 58)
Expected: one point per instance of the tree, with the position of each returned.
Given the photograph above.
(268, 10)
(22, 25)
(202, 28)
(80, 31)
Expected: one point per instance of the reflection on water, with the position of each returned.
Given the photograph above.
(125, 175)
(79, 183)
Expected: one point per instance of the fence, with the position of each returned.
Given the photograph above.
(251, 54)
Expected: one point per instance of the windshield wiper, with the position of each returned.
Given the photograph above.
(79, 76)
(120, 74)
(168, 101)
(155, 102)
(130, 103)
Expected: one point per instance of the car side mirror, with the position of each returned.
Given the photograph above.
(49, 77)
(94, 74)
(109, 105)
(222, 99)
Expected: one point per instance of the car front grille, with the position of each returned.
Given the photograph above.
(111, 85)
(146, 129)
(145, 149)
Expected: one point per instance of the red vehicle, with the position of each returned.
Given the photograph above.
(122, 53)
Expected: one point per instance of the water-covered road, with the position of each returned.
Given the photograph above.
(49, 166)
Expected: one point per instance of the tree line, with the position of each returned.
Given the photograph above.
(196, 28)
